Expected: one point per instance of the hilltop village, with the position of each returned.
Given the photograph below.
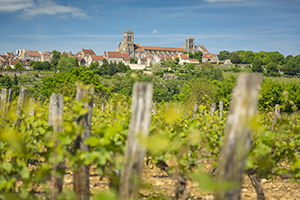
(126, 52)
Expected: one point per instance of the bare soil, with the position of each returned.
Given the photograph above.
(163, 185)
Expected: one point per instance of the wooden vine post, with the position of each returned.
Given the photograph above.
(237, 139)
(195, 110)
(221, 109)
(20, 105)
(10, 93)
(81, 185)
(138, 128)
(55, 119)
(212, 109)
(3, 101)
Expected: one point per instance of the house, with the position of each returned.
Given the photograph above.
(184, 58)
(83, 55)
(208, 57)
(115, 56)
(46, 56)
(4, 61)
(69, 54)
(30, 55)
(94, 58)
(194, 61)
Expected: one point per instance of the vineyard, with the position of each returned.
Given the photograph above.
(42, 144)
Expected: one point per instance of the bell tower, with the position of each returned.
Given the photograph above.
(128, 43)
(189, 44)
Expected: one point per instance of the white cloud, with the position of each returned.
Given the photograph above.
(30, 8)
(213, 1)
(14, 5)
(154, 31)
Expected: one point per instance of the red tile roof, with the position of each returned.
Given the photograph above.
(139, 49)
(46, 53)
(13, 62)
(184, 56)
(114, 54)
(163, 48)
(88, 52)
(203, 48)
(194, 60)
(33, 52)
(126, 56)
(97, 58)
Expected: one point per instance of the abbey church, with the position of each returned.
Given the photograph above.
(139, 51)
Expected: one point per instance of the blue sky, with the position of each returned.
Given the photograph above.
(256, 25)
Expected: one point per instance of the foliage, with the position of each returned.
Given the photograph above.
(292, 67)
(235, 59)
(64, 83)
(55, 58)
(94, 65)
(65, 64)
(223, 55)
(31, 62)
(133, 61)
(18, 66)
(257, 66)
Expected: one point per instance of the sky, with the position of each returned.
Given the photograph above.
(64, 25)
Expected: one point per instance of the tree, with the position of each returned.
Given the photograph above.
(249, 57)
(65, 64)
(235, 59)
(55, 58)
(46, 65)
(198, 55)
(38, 65)
(272, 68)
(15, 82)
(287, 58)
(31, 62)
(133, 60)
(94, 65)
(112, 69)
(223, 55)
(5, 82)
(157, 70)
(256, 66)
(18, 66)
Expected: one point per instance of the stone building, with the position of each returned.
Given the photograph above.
(163, 53)
(138, 51)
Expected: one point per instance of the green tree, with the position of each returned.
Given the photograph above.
(94, 65)
(272, 68)
(223, 55)
(55, 58)
(18, 66)
(16, 81)
(157, 70)
(65, 64)
(235, 59)
(38, 65)
(249, 57)
(198, 55)
(287, 58)
(256, 66)
(133, 60)
(112, 68)
(31, 62)
(5, 82)
(46, 65)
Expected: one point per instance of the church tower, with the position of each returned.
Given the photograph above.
(128, 46)
(189, 44)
